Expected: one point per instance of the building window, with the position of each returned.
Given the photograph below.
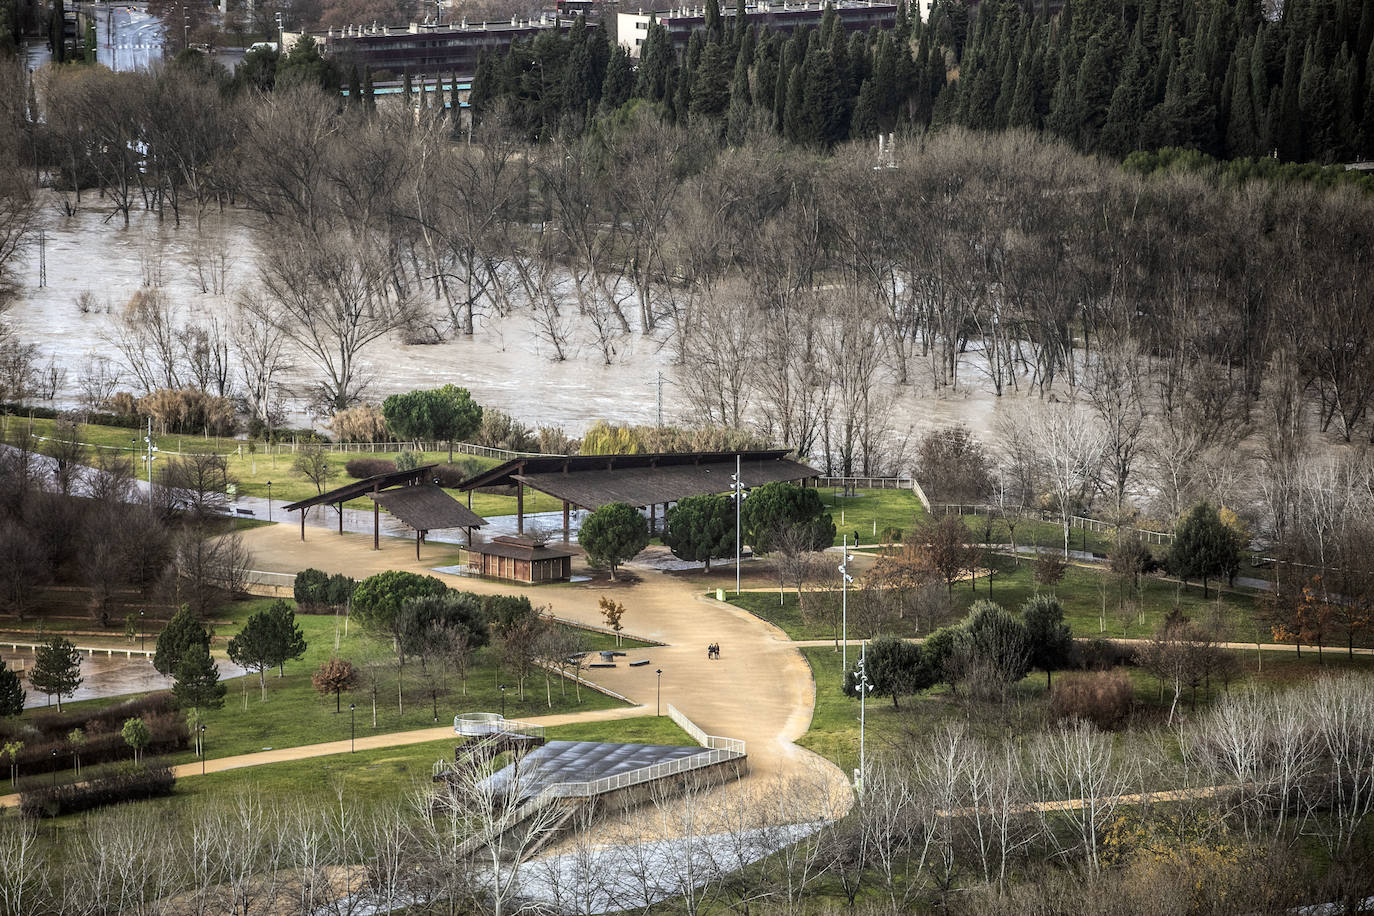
(641, 25)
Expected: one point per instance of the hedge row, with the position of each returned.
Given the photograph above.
(50, 725)
(125, 783)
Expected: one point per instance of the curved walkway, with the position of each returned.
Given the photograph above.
(760, 690)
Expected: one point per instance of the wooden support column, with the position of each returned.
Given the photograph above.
(376, 522)
(565, 521)
(417, 543)
(519, 507)
(302, 524)
(340, 508)
(653, 517)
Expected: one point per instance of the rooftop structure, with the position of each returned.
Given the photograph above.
(425, 47)
(784, 16)
(408, 495)
(644, 481)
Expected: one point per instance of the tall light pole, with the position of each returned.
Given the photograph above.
(142, 642)
(352, 726)
(863, 694)
(202, 750)
(503, 700)
(845, 579)
(151, 448)
(269, 500)
(658, 703)
(737, 486)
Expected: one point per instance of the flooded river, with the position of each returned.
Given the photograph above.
(503, 363)
(104, 676)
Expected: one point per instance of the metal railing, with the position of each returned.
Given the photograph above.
(483, 724)
(868, 483)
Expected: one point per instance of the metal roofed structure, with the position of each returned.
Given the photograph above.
(407, 495)
(644, 481)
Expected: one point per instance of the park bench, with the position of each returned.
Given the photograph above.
(602, 665)
(640, 664)
(238, 510)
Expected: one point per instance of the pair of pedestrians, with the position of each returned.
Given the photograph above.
(713, 650)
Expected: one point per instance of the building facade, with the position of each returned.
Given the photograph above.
(784, 16)
(425, 47)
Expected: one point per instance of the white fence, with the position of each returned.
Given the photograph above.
(1076, 522)
(867, 483)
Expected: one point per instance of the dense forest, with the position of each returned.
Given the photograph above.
(1110, 76)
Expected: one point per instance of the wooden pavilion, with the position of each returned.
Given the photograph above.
(644, 481)
(407, 495)
(520, 559)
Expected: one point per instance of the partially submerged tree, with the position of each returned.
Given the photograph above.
(56, 669)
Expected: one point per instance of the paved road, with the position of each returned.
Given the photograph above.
(127, 36)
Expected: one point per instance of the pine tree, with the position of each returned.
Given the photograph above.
(182, 633)
(56, 669)
(197, 682)
(289, 638)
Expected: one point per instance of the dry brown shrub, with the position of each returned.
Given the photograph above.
(1100, 697)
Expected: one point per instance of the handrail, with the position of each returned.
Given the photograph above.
(481, 724)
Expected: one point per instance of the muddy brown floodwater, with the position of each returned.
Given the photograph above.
(503, 364)
(104, 676)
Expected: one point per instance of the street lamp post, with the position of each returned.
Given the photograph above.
(269, 500)
(352, 726)
(503, 699)
(658, 703)
(202, 750)
(845, 579)
(863, 694)
(54, 767)
(142, 634)
(737, 486)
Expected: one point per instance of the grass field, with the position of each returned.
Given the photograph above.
(294, 713)
(251, 472)
(1092, 605)
(870, 512)
(384, 776)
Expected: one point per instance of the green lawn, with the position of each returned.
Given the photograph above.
(252, 471)
(870, 512)
(385, 776)
(294, 713)
(1084, 592)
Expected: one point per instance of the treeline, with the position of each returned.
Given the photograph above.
(1111, 77)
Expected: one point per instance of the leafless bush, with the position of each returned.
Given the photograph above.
(1103, 698)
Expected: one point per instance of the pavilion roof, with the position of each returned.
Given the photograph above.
(362, 487)
(426, 507)
(592, 481)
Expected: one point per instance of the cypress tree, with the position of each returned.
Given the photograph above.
(794, 126)
(1287, 132)
(741, 25)
(407, 87)
(57, 28)
(619, 82)
(355, 89)
(710, 89)
(864, 123)
(655, 60)
(1021, 112)
(715, 29)
(369, 92)
(1242, 131)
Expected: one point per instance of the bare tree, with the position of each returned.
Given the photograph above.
(1066, 446)
(331, 295)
